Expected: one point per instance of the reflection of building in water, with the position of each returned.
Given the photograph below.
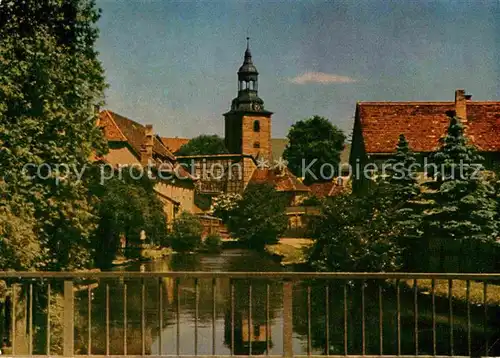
(245, 333)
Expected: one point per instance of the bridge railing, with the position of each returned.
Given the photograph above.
(21, 286)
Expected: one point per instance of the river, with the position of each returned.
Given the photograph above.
(221, 318)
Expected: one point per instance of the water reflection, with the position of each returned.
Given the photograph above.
(169, 318)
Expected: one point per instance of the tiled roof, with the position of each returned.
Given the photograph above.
(424, 124)
(326, 189)
(111, 130)
(119, 128)
(174, 144)
(282, 180)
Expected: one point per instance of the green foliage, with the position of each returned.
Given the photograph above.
(259, 216)
(355, 234)
(126, 206)
(50, 79)
(311, 201)
(462, 208)
(19, 247)
(203, 145)
(223, 204)
(213, 243)
(186, 233)
(313, 139)
(400, 188)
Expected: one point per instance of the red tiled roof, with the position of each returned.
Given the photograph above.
(424, 123)
(119, 128)
(282, 180)
(111, 130)
(326, 189)
(174, 144)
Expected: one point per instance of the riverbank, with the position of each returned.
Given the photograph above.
(459, 290)
(146, 254)
(291, 251)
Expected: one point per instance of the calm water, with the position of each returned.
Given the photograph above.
(241, 260)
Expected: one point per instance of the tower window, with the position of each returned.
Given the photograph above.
(256, 126)
(256, 145)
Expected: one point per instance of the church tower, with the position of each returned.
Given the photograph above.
(247, 124)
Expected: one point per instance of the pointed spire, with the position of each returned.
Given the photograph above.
(248, 54)
(248, 65)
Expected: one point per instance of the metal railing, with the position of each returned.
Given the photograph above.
(361, 301)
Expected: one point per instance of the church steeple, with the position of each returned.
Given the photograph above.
(248, 125)
(248, 85)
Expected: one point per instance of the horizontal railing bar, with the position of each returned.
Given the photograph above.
(240, 356)
(262, 275)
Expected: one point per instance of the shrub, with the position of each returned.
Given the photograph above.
(259, 217)
(186, 233)
(213, 243)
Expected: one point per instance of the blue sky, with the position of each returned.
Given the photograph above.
(173, 63)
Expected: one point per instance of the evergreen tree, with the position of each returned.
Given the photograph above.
(462, 211)
(50, 80)
(401, 189)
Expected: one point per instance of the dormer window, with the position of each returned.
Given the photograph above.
(256, 126)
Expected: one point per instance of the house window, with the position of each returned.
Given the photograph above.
(256, 126)
(256, 145)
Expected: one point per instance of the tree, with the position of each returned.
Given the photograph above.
(203, 145)
(354, 233)
(401, 189)
(259, 216)
(186, 233)
(126, 206)
(317, 143)
(50, 81)
(19, 247)
(224, 204)
(462, 211)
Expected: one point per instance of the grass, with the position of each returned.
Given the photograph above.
(155, 253)
(459, 290)
(290, 254)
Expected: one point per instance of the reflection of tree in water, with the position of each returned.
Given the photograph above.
(134, 289)
(389, 326)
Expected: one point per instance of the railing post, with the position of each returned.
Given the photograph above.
(68, 324)
(287, 318)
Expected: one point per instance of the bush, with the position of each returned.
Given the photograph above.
(259, 216)
(213, 243)
(186, 233)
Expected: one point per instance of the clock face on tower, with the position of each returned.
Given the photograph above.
(256, 107)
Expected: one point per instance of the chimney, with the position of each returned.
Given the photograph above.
(461, 104)
(147, 145)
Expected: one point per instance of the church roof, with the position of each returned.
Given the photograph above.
(424, 124)
(248, 66)
(283, 180)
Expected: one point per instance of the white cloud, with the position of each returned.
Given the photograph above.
(321, 77)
